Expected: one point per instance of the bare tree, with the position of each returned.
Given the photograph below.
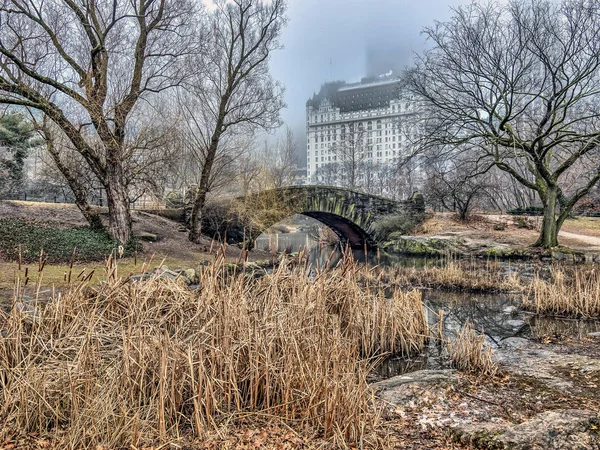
(249, 169)
(456, 181)
(520, 82)
(328, 174)
(71, 166)
(86, 65)
(236, 92)
(350, 152)
(282, 161)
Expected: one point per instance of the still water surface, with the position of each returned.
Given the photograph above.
(497, 316)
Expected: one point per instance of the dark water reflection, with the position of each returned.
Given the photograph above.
(497, 316)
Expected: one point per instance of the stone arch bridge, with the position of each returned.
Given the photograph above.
(357, 218)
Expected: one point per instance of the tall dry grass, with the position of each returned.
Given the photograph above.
(568, 292)
(128, 364)
(467, 352)
(457, 275)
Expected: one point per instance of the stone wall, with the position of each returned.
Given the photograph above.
(353, 215)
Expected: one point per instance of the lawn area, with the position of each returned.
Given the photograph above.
(583, 225)
(56, 275)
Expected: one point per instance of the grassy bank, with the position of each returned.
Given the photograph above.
(127, 365)
(23, 240)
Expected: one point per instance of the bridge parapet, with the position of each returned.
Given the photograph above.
(356, 217)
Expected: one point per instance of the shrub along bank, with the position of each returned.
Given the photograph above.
(20, 239)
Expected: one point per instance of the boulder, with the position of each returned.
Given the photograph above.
(514, 342)
(145, 236)
(402, 389)
(550, 430)
(425, 246)
(189, 276)
(560, 429)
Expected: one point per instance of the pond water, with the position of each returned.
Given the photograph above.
(323, 254)
(497, 316)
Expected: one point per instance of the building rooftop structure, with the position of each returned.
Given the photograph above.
(369, 93)
(359, 132)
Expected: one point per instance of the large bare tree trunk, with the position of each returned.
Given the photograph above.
(119, 226)
(90, 214)
(204, 185)
(196, 216)
(549, 232)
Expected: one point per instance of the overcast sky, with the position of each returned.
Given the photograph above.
(331, 40)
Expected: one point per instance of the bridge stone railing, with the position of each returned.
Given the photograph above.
(354, 215)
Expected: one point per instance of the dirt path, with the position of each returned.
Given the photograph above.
(587, 240)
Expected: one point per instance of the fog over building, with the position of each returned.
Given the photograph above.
(367, 121)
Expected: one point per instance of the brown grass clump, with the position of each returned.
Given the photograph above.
(467, 352)
(456, 275)
(132, 364)
(573, 293)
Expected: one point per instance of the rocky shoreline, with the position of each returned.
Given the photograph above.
(441, 246)
(545, 397)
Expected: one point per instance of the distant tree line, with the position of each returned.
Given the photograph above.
(120, 99)
(126, 96)
(508, 113)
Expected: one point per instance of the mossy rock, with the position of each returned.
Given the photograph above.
(422, 246)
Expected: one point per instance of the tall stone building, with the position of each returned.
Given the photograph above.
(351, 127)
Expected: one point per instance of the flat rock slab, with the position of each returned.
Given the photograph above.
(563, 429)
(145, 236)
(403, 389)
(537, 361)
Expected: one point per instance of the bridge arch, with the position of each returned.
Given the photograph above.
(354, 216)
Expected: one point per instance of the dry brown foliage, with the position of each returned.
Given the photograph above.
(456, 275)
(129, 363)
(569, 293)
(467, 352)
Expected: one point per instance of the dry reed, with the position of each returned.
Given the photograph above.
(569, 293)
(135, 363)
(457, 275)
(467, 352)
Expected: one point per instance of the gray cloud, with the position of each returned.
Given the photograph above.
(346, 40)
